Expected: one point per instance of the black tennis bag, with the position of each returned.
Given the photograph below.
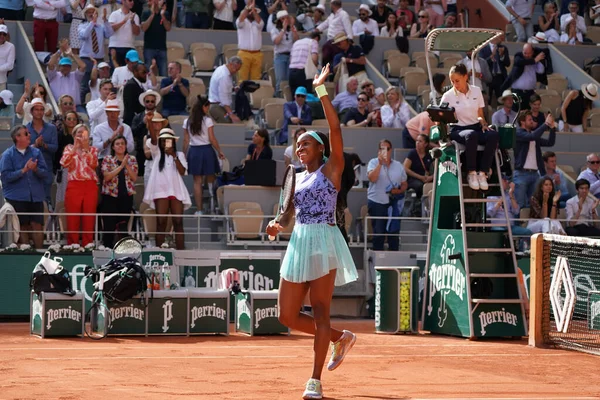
(58, 282)
(123, 278)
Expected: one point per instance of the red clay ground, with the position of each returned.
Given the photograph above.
(277, 367)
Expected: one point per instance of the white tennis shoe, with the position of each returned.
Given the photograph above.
(340, 348)
(313, 390)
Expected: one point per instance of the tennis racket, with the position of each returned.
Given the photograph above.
(285, 212)
(98, 316)
(127, 247)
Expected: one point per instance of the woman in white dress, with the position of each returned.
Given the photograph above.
(77, 7)
(166, 191)
(544, 209)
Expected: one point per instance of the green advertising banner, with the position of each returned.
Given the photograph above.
(498, 320)
(167, 313)
(593, 310)
(128, 318)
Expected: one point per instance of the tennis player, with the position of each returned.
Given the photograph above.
(317, 257)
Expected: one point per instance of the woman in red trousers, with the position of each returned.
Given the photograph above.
(81, 197)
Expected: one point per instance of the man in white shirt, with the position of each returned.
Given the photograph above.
(45, 26)
(365, 25)
(123, 74)
(506, 114)
(581, 212)
(521, 12)
(592, 173)
(308, 21)
(220, 91)
(249, 34)
(99, 73)
(573, 14)
(65, 81)
(7, 56)
(96, 109)
(483, 75)
(106, 132)
(126, 26)
(338, 21)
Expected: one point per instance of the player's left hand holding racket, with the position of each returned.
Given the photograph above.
(285, 212)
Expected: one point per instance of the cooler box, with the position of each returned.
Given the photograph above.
(257, 313)
(396, 299)
(55, 314)
(207, 311)
(167, 313)
(129, 317)
(507, 134)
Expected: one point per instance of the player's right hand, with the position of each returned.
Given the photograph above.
(273, 228)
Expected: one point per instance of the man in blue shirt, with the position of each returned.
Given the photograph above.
(174, 91)
(296, 113)
(12, 10)
(43, 137)
(23, 172)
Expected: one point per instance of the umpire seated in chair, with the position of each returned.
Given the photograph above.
(295, 112)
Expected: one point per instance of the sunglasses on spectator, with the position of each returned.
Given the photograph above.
(149, 101)
(26, 133)
(72, 119)
(594, 162)
(363, 15)
(423, 16)
(67, 104)
(300, 95)
(362, 99)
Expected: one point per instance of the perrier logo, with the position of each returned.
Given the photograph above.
(207, 311)
(61, 313)
(262, 313)
(130, 311)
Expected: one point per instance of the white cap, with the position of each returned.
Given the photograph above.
(379, 91)
(103, 65)
(4, 28)
(7, 96)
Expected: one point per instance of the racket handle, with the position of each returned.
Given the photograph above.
(101, 282)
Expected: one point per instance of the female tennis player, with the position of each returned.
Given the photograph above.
(317, 257)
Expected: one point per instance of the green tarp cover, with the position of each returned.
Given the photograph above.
(459, 40)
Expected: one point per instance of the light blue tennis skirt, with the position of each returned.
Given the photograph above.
(314, 250)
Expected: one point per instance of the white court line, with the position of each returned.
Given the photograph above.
(509, 398)
(236, 356)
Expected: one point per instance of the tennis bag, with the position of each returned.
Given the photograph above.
(123, 278)
(57, 282)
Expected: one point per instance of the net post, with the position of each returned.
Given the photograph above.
(536, 289)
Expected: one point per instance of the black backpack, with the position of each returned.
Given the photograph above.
(123, 278)
(58, 282)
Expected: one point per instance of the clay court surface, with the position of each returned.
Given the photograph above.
(277, 367)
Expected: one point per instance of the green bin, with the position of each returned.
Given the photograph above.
(507, 136)
(396, 299)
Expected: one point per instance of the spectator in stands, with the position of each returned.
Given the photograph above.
(360, 116)
(505, 115)
(559, 180)
(495, 211)
(106, 132)
(497, 57)
(96, 109)
(523, 77)
(157, 22)
(347, 99)
(549, 22)
(122, 75)
(591, 174)
(65, 138)
(308, 21)
(43, 136)
(283, 35)
(368, 87)
(576, 108)
(420, 124)
(440, 89)
(435, 9)
(290, 156)
(249, 28)
(422, 28)
(472, 129)
(156, 124)
(91, 35)
(23, 108)
(66, 81)
(12, 10)
(595, 14)
(396, 113)
(573, 14)
(544, 209)
(81, 197)
(529, 165)
(535, 102)
(405, 15)
(166, 191)
(175, 90)
(379, 13)
(23, 172)
(295, 112)
(140, 123)
(119, 171)
(132, 91)
(220, 91)
(7, 109)
(387, 184)
(379, 99)
(201, 147)
(273, 8)
(337, 22)
(260, 148)
(77, 8)
(45, 26)
(581, 212)
(299, 58)
(521, 11)
(7, 56)
(483, 75)
(418, 165)
(126, 26)
(365, 25)
(450, 21)
(571, 35)
(65, 104)
(100, 72)
(392, 27)
(223, 14)
(196, 14)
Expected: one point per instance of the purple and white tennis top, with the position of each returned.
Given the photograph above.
(315, 198)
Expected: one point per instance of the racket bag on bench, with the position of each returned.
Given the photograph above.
(123, 278)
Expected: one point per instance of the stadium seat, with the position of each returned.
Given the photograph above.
(546, 92)
(593, 33)
(139, 195)
(330, 86)
(177, 119)
(203, 57)
(557, 82)
(595, 121)
(268, 57)
(272, 77)
(245, 226)
(186, 68)
(175, 51)
(320, 122)
(287, 93)
(449, 59)
(387, 54)
(524, 216)
(552, 101)
(419, 60)
(405, 70)
(394, 66)
(511, 34)
(196, 88)
(272, 111)
(228, 50)
(595, 72)
(265, 90)
(268, 100)
(148, 219)
(412, 80)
